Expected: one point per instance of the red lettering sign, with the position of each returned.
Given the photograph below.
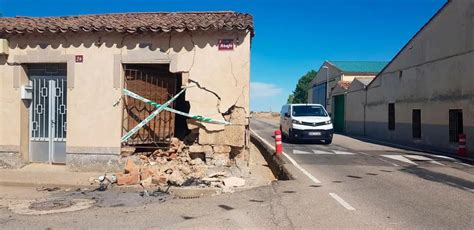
(226, 44)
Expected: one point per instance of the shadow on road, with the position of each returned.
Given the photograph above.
(440, 178)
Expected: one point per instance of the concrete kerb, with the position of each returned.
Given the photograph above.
(281, 168)
(414, 150)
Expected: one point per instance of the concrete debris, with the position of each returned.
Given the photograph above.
(181, 165)
(234, 182)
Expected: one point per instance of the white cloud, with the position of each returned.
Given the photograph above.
(264, 90)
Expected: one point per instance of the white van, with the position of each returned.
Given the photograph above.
(306, 122)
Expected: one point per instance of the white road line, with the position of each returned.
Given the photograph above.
(342, 202)
(299, 152)
(437, 163)
(311, 177)
(418, 158)
(400, 158)
(365, 154)
(388, 162)
(464, 164)
(321, 152)
(342, 153)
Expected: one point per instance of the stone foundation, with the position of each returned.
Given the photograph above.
(94, 162)
(11, 160)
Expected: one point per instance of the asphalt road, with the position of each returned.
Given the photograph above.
(349, 184)
(388, 187)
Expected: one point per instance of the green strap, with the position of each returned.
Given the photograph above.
(196, 117)
(149, 118)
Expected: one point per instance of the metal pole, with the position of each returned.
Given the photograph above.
(327, 84)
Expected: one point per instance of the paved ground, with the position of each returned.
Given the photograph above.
(347, 185)
(383, 185)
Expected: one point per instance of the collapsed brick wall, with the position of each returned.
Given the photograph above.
(224, 150)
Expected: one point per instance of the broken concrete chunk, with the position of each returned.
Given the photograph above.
(176, 178)
(200, 149)
(196, 161)
(237, 116)
(221, 148)
(234, 182)
(233, 135)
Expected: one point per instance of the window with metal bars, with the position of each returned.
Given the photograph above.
(391, 116)
(455, 124)
(416, 123)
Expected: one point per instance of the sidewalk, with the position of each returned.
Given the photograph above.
(37, 174)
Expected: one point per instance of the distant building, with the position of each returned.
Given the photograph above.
(425, 96)
(339, 73)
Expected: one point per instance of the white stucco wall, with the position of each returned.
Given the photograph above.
(94, 86)
(437, 75)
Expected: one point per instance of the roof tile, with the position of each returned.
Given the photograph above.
(129, 22)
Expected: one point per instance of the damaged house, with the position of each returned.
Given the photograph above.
(74, 90)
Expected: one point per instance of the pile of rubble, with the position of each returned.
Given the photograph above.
(177, 166)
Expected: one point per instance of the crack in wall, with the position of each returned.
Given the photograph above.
(232, 71)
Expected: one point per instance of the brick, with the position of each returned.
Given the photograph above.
(127, 179)
(146, 173)
(131, 167)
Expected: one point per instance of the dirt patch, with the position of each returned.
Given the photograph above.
(266, 115)
(51, 205)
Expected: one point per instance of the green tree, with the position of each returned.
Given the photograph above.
(290, 99)
(300, 94)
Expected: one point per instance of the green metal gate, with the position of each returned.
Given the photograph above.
(339, 113)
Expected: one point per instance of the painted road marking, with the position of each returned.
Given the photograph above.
(388, 162)
(418, 158)
(342, 153)
(321, 152)
(311, 177)
(437, 163)
(423, 158)
(342, 202)
(296, 151)
(400, 158)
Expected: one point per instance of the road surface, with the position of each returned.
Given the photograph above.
(349, 184)
(385, 186)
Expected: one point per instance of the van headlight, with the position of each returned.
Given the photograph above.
(297, 122)
(328, 122)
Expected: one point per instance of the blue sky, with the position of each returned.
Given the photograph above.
(292, 37)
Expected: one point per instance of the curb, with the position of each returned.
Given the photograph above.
(409, 148)
(277, 163)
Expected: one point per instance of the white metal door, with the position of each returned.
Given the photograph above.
(48, 116)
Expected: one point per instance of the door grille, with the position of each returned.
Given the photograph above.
(155, 83)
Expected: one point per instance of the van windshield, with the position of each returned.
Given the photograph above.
(308, 111)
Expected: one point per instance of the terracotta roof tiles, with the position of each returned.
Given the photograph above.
(129, 22)
(344, 84)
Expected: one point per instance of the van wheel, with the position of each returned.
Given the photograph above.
(328, 141)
